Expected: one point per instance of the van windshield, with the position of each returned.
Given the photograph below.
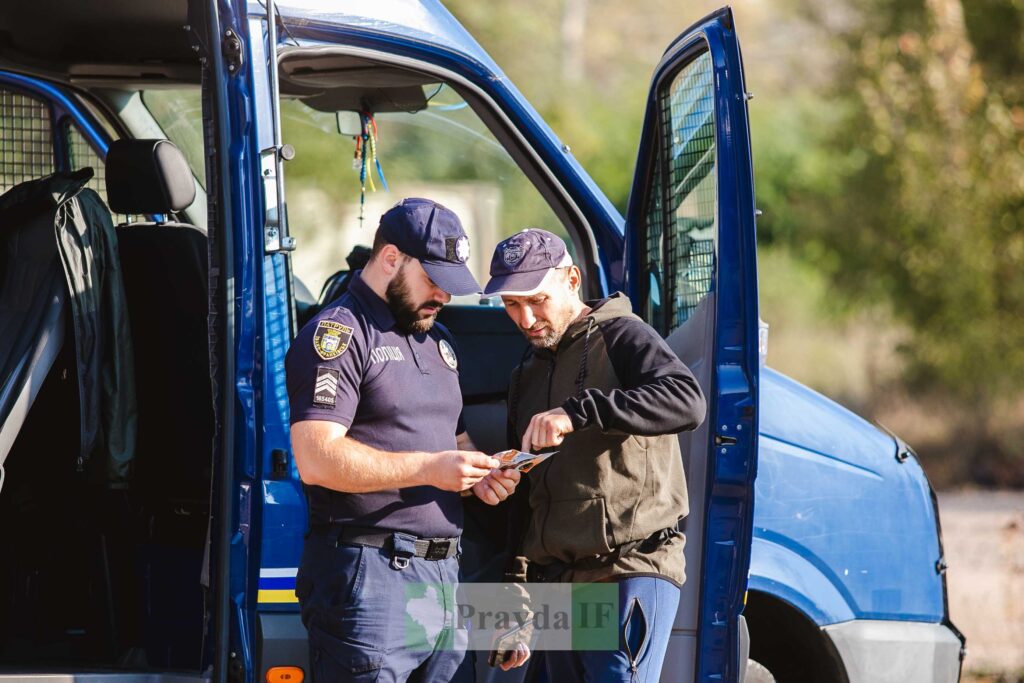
(179, 113)
(442, 151)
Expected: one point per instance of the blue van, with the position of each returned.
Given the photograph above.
(169, 552)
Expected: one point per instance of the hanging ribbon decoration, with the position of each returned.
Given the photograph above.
(365, 160)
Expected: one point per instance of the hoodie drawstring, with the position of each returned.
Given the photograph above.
(581, 376)
(513, 397)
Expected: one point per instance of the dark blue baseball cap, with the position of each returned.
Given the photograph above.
(433, 235)
(522, 262)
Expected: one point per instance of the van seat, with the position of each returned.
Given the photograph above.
(165, 269)
(164, 266)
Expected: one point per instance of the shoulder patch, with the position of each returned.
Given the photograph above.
(331, 339)
(325, 389)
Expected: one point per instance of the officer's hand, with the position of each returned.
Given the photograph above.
(497, 486)
(459, 470)
(517, 658)
(546, 429)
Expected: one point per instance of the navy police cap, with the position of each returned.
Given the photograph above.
(433, 235)
(522, 262)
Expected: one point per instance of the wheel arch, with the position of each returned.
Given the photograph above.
(789, 643)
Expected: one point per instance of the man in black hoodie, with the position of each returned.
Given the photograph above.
(605, 389)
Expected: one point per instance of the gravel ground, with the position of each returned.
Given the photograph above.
(983, 536)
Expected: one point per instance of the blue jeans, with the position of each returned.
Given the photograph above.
(372, 619)
(647, 609)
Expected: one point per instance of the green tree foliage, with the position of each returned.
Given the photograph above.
(929, 215)
(889, 156)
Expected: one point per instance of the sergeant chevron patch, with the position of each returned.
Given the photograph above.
(325, 390)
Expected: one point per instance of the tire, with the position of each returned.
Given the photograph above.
(788, 644)
(757, 673)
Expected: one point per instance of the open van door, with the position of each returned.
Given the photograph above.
(233, 109)
(692, 274)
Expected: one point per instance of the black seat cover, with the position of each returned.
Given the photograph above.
(165, 271)
(165, 275)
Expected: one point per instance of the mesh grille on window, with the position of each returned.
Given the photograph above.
(690, 195)
(26, 139)
(81, 154)
(654, 253)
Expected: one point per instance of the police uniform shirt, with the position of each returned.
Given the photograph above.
(393, 391)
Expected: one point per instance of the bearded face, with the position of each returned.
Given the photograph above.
(544, 317)
(546, 332)
(414, 312)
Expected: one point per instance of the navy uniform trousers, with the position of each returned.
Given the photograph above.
(372, 617)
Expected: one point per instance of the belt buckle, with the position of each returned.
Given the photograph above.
(438, 549)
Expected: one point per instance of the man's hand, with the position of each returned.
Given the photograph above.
(497, 486)
(517, 657)
(546, 429)
(458, 470)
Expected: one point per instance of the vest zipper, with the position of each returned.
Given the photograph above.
(547, 490)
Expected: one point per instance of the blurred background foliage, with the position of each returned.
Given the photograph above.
(888, 143)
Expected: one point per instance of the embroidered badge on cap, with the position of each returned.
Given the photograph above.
(513, 254)
(448, 354)
(331, 339)
(456, 249)
(325, 390)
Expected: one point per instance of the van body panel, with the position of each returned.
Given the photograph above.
(865, 521)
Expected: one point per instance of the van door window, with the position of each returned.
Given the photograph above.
(26, 139)
(682, 221)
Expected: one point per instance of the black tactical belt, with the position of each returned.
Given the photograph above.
(427, 548)
(543, 573)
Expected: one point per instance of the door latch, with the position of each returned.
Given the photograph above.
(725, 440)
(231, 48)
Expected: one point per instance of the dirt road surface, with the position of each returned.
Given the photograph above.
(983, 533)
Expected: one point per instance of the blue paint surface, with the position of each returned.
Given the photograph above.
(842, 529)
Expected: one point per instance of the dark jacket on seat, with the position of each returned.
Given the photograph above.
(61, 205)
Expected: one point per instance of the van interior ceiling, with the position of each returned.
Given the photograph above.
(334, 82)
(118, 40)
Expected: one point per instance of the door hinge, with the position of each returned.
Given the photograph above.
(275, 226)
(231, 48)
(279, 463)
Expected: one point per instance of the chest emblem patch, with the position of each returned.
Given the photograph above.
(331, 339)
(448, 354)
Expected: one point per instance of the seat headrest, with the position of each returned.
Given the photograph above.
(148, 176)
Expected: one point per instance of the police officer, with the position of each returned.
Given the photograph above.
(382, 450)
(605, 389)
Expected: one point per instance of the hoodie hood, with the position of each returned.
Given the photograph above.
(601, 310)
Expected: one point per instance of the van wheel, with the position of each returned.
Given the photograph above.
(788, 644)
(757, 673)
